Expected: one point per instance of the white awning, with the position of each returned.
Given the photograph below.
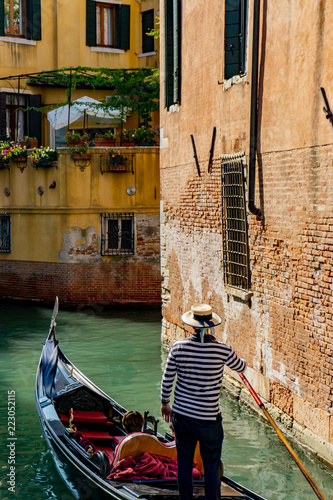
(58, 117)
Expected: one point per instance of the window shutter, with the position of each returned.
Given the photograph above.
(175, 51)
(35, 118)
(168, 52)
(3, 133)
(234, 37)
(2, 17)
(90, 23)
(34, 22)
(123, 27)
(147, 24)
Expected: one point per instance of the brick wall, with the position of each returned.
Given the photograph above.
(285, 330)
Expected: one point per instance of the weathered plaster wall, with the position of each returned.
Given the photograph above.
(56, 236)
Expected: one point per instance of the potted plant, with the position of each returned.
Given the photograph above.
(144, 136)
(29, 142)
(105, 140)
(17, 153)
(4, 147)
(127, 137)
(43, 157)
(79, 152)
(77, 139)
(116, 161)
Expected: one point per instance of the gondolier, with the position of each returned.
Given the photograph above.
(198, 362)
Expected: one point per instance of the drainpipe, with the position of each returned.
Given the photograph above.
(254, 108)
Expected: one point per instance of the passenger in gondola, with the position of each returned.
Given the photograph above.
(198, 361)
(132, 421)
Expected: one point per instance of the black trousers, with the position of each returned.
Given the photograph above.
(209, 433)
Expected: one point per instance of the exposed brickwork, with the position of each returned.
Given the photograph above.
(94, 283)
(285, 332)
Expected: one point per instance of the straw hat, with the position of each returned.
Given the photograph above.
(201, 316)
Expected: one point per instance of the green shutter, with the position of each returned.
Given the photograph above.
(3, 134)
(168, 6)
(34, 21)
(35, 118)
(234, 37)
(123, 14)
(2, 17)
(91, 23)
(175, 51)
(147, 24)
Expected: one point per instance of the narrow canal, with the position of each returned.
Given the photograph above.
(121, 353)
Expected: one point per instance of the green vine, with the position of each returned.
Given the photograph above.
(135, 89)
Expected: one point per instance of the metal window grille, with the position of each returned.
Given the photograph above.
(234, 223)
(117, 234)
(5, 231)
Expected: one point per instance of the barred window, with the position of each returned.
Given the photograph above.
(234, 223)
(5, 230)
(117, 234)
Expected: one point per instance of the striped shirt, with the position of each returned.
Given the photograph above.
(199, 368)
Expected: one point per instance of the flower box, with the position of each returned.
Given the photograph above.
(81, 156)
(117, 168)
(128, 144)
(33, 143)
(19, 159)
(77, 142)
(104, 143)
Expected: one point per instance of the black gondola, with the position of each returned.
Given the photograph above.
(83, 429)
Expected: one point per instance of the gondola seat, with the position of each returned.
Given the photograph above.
(89, 417)
(136, 444)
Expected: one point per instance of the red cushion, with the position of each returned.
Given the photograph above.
(92, 417)
(96, 435)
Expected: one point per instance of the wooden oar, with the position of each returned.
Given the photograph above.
(283, 439)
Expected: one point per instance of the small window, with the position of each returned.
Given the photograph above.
(172, 82)
(21, 18)
(14, 17)
(147, 25)
(5, 236)
(234, 224)
(234, 37)
(105, 25)
(108, 25)
(117, 234)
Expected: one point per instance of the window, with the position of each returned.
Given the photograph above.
(16, 122)
(234, 37)
(172, 51)
(5, 239)
(14, 17)
(234, 223)
(147, 25)
(20, 18)
(107, 25)
(117, 234)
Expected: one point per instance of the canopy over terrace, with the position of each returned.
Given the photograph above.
(78, 110)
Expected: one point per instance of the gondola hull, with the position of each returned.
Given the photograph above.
(66, 398)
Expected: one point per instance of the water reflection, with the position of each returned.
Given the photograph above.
(120, 352)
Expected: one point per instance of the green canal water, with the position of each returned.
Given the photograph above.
(121, 353)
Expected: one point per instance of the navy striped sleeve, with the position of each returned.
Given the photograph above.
(168, 378)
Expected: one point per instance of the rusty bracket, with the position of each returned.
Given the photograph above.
(195, 155)
(211, 153)
(326, 108)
